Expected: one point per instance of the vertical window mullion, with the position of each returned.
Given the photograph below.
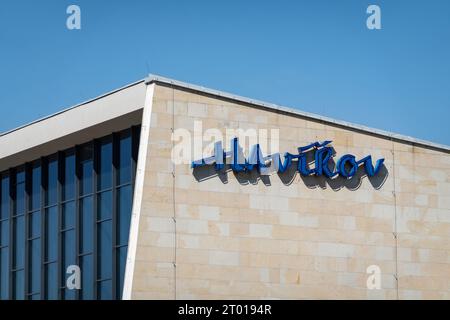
(44, 179)
(61, 162)
(96, 166)
(115, 166)
(27, 228)
(113, 175)
(12, 245)
(77, 210)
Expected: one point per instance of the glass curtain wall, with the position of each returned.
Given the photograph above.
(66, 217)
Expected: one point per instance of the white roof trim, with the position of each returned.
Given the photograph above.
(99, 116)
(271, 106)
(70, 108)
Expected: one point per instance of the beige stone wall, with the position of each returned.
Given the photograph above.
(305, 240)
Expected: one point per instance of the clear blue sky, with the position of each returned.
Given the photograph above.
(317, 56)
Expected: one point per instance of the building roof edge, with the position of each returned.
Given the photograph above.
(70, 108)
(327, 120)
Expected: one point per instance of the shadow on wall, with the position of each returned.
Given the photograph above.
(253, 177)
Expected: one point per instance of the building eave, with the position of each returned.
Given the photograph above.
(71, 108)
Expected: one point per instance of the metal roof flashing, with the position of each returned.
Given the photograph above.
(72, 107)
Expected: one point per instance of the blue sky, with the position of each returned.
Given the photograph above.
(317, 56)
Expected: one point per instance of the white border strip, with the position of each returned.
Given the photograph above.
(138, 193)
(70, 108)
(271, 106)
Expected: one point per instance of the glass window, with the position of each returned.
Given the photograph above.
(68, 215)
(51, 273)
(19, 241)
(96, 203)
(4, 233)
(86, 171)
(35, 269)
(86, 168)
(4, 208)
(52, 182)
(124, 199)
(105, 166)
(124, 175)
(35, 224)
(122, 259)
(35, 187)
(104, 205)
(105, 250)
(69, 177)
(70, 294)
(19, 285)
(20, 193)
(69, 247)
(87, 277)
(4, 238)
(87, 225)
(20, 178)
(51, 231)
(105, 290)
(4, 273)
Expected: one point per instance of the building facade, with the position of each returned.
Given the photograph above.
(94, 191)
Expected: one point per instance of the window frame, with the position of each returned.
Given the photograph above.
(46, 204)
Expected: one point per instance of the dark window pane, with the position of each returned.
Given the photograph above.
(97, 223)
(52, 183)
(70, 294)
(122, 259)
(52, 281)
(19, 285)
(4, 208)
(4, 273)
(124, 198)
(35, 187)
(87, 225)
(69, 177)
(35, 224)
(69, 254)
(20, 193)
(86, 180)
(104, 205)
(69, 251)
(124, 175)
(36, 296)
(4, 233)
(52, 234)
(20, 177)
(86, 168)
(105, 290)
(19, 241)
(87, 277)
(105, 167)
(35, 268)
(68, 215)
(105, 250)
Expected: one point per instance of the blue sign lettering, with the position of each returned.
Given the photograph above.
(346, 166)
